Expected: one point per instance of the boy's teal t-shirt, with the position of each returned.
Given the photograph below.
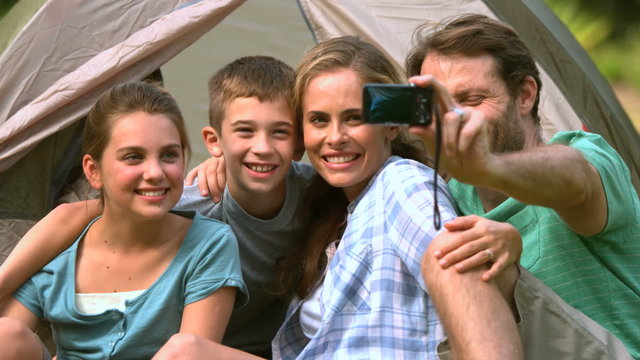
(598, 275)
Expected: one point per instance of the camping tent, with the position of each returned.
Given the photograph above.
(68, 51)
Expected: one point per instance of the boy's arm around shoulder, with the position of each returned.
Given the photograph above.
(44, 241)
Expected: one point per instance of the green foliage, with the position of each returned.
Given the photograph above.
(590, 30)
(618, 62)
(5, 6)
(608, 30)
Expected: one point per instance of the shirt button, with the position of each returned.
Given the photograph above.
(121, 333)
(111, 343)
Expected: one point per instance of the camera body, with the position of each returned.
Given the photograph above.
(397, 104)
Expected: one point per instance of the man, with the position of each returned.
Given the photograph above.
(571, 199)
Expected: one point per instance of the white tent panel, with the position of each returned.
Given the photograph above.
(124, 46)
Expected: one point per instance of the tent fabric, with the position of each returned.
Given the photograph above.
(60, 63)
(573, 92)
(72, 50)
(10, 232)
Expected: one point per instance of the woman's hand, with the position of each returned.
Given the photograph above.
(477, 241)
(212, 177)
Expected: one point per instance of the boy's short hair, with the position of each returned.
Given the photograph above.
(262, 77)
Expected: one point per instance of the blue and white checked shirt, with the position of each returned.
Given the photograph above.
(374, 302)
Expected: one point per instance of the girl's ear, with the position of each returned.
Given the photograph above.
(92, 172)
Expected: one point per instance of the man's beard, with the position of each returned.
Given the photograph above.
(507, 133)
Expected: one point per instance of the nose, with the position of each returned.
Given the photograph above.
(153, 170)
(262, 145)
(336, 134)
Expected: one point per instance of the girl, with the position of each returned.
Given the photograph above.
(138, 273)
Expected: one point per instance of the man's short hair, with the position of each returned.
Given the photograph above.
(474, 34)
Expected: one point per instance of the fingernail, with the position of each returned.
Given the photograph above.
(442, 262)
(437, 254)
(216, 199)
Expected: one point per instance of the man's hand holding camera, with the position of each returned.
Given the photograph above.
(465, 150)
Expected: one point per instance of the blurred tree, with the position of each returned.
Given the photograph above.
(608, 30)
(5, 6)
(594, 22)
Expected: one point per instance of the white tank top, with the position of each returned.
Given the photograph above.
(97, 303)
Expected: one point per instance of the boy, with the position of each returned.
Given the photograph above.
(252, 122)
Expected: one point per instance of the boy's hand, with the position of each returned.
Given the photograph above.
(212, 177)
(477, 241)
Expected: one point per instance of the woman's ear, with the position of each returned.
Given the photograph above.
(392, 132)
(212, 141)
(92, 171)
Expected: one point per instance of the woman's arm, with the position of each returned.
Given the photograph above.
(44, 241)
(477, 241)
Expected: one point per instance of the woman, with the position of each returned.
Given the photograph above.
(138, 274)
(377, 204)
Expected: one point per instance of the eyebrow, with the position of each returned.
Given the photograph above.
(469, 90)
(141, 149)
(252, 123)
(351, 111)
(347, 111)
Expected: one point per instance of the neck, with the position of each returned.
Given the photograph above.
(263, 206)
(125, 233)
(490, 198)
(532, 137)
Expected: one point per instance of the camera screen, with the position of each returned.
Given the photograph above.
(396, 104)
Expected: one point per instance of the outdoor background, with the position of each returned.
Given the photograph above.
(608, 30)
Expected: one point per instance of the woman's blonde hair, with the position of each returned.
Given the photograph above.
(327, 205)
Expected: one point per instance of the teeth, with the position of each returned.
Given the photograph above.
(152, 193)
(340, 159)
(261, 168)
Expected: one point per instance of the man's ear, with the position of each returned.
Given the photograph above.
(212, 141)
(92, 171)
(527, 96)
